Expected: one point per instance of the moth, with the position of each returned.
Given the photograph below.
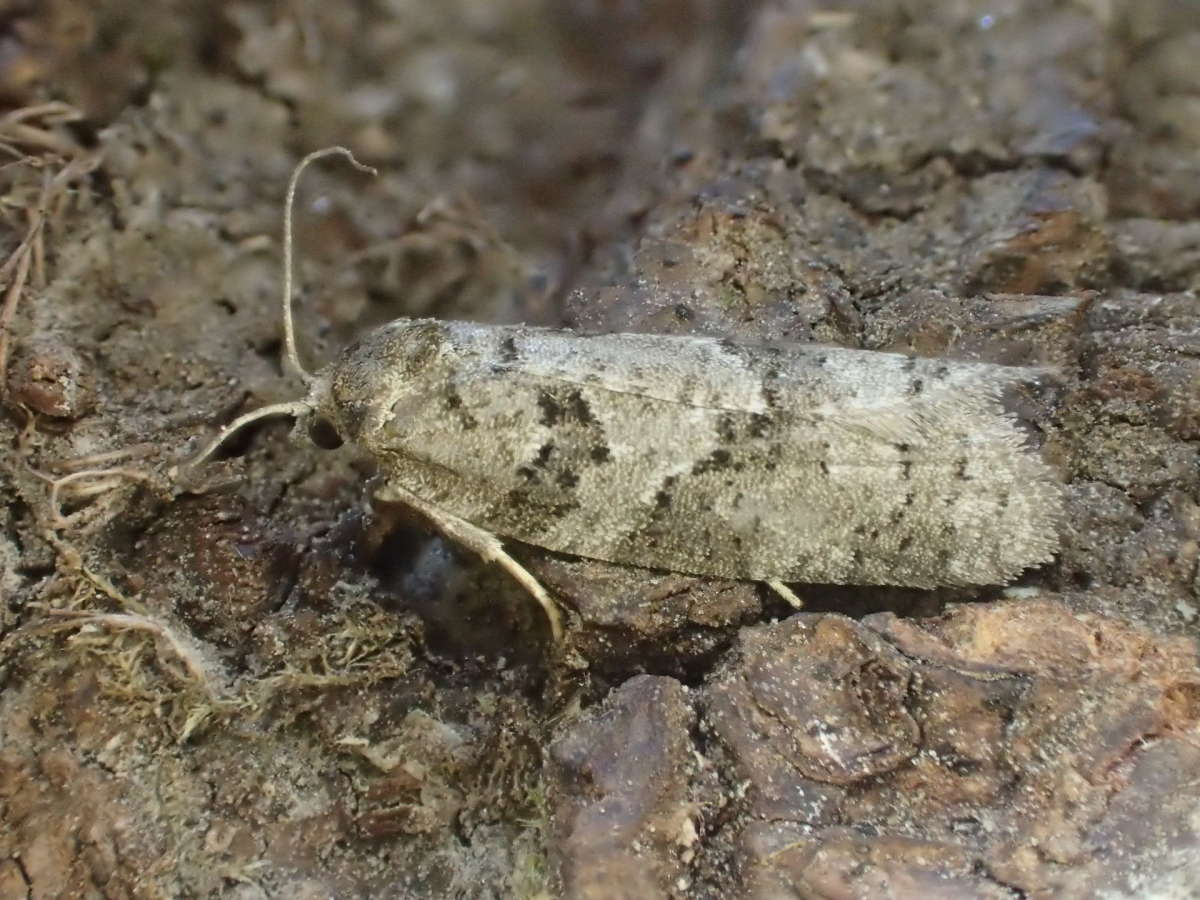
(691, 454)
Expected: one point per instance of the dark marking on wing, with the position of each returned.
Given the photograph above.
(726, 430)
(579, 408)
(508, 350)
(552, 412)
(570, 406)
(522, 511)
(770, 387)
(453, 402)
(716, 461)
(760, 424)
(663, 499)
(774, 454)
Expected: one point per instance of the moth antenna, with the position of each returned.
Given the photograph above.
(289, 330)
(292, 408)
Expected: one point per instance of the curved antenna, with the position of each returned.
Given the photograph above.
(289, 330)
(294, 407)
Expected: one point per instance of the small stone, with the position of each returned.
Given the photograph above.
(52, 378)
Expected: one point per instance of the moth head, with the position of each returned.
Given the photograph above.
(357, 394)
(317, 414)
(327, 422)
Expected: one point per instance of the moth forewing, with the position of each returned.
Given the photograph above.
(710, 457)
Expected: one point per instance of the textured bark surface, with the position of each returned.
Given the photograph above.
(247, 682)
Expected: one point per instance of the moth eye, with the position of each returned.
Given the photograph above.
(322, 433)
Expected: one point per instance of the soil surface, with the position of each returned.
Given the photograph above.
(245, 680)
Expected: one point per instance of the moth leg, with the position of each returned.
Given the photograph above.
(785, 592)
(484, 543)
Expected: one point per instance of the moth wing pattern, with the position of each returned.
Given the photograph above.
(710, 457)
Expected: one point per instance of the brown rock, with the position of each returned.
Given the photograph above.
(52, 378)
(788, 862)
(627, 616)
(816, 697)
(1035, 232)
(1000, 749)
(1154, 255)
(1009, 329)
(623, 818)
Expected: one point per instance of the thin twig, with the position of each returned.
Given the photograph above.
(92, 460)
(110, 477)
(55, 109)
(11, 297)
(39, 257)
(30, 246)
